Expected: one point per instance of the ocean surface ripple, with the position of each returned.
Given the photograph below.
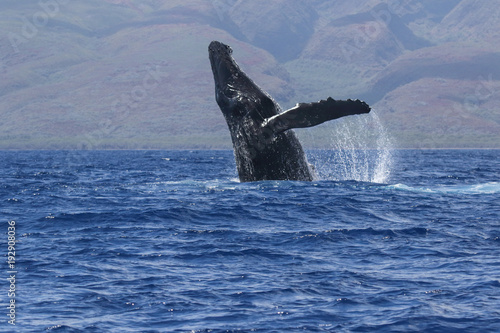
(170, 241)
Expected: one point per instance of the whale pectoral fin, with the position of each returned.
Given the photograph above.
(312, 114)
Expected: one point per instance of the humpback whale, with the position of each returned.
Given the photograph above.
(265, 146)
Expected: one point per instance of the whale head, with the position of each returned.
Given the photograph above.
(226, 74)
(236, 94)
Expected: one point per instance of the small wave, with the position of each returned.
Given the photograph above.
(486, 188)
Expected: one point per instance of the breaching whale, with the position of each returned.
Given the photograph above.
(265, 147)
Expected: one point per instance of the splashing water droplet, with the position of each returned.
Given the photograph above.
(359, 149)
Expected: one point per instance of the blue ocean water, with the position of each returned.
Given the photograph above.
(170, 241)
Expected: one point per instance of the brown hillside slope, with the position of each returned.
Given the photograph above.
(135, 74)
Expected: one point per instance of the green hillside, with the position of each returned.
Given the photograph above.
(132, 74)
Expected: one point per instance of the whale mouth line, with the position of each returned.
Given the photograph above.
(226, 74)
(222, 63)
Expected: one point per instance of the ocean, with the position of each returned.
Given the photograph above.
(171, 241)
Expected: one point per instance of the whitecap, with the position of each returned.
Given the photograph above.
(484, 188)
